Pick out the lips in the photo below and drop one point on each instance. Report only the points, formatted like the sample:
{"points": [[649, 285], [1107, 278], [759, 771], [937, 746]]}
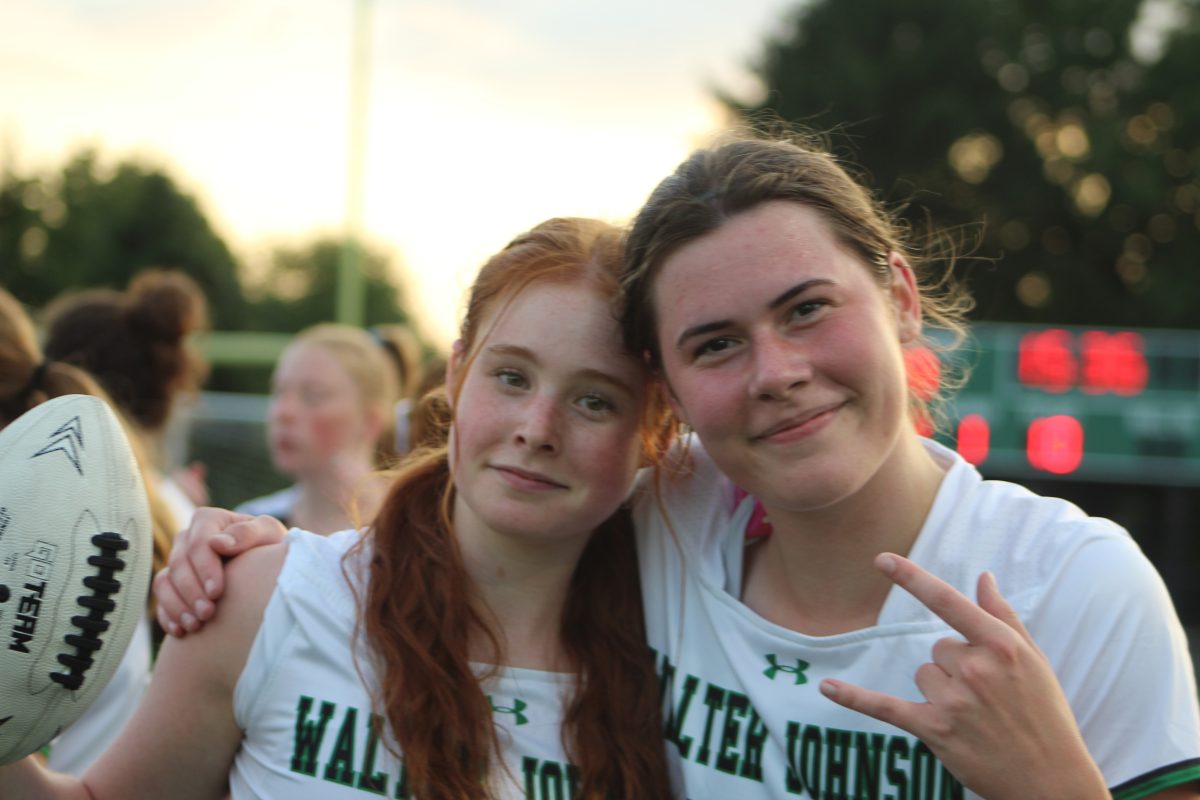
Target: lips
{"points": [[799, 425], [526, 479]]}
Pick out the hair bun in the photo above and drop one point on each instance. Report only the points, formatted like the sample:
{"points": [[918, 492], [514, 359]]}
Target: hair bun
{"points": [[166, 304]]}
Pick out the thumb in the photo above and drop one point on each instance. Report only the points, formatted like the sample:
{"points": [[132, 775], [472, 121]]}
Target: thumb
{"points": [[248, 534]]}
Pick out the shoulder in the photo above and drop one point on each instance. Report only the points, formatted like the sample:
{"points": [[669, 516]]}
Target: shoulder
{"points": [[1026, 539]]}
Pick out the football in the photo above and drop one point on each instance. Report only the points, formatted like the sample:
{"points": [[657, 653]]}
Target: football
{"points": [[75, 561]]}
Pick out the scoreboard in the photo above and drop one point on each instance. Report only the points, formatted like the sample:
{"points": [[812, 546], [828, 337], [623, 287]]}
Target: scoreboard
{"points": [[1092, 404]]}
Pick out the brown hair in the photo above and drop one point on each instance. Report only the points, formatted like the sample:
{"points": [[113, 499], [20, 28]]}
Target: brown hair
{"points": [[27, 381], [134, 342], [419, 610], [743, 171], [372, 375]]}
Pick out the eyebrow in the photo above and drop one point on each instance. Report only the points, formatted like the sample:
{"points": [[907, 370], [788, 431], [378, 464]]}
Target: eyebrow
{"points": [[584, 372], [716, 325]]}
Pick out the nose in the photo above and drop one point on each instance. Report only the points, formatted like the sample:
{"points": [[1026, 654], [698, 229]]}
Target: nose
{"points": [[779, 366], [537, 428]]}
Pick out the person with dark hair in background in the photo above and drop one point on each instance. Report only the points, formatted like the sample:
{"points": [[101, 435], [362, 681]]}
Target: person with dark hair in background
{"points": [[135, 343], [28, 379]]}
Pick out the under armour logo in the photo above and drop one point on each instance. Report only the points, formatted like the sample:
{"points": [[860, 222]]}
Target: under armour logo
{"points": [[515, 709], [777, 668], [68, 440]]}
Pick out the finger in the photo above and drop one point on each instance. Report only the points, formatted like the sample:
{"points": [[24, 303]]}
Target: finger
{"points": [[253, 532], [903, 714], [993, 602], [939, 597], [947, 654], [182, 580], [169, 605], [933, 682]]}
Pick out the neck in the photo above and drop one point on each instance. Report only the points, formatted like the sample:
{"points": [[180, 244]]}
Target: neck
{"points": [[816, 574], [522, 585], [325, 498]]}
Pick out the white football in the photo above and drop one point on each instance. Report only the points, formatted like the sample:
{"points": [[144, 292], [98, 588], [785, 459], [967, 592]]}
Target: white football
{"points": [[75, 561]]}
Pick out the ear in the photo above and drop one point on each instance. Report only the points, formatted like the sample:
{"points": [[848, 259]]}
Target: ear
{"points": [[453, 365], [906, 298]]}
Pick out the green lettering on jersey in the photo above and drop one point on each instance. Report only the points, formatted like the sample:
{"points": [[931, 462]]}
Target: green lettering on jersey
{"points": [[736, 706], [868, 764], [340, 767], [368, 779], [309, 735], [897, 749], [677, 715], [837, 763], [714, 699], [756, 740], [402, 784], [549, 780]]}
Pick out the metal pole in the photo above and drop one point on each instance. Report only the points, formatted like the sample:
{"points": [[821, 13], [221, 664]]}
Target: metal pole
{"points": [[350, 292]]}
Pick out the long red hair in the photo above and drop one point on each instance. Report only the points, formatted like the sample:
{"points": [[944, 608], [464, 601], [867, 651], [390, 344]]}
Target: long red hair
{"points": [[419, 610]]}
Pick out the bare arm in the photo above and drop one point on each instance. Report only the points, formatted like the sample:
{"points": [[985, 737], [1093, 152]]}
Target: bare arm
{"points": [[182, 740]]}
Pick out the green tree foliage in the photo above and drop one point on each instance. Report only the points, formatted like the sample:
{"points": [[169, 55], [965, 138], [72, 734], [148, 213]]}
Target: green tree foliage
{"points": [[302, 288], [1078, 154], [86, 227]]}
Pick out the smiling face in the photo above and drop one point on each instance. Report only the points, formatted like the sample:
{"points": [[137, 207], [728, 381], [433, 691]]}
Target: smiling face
{"points": [[544, 443], [316, 412], [784, 354]]}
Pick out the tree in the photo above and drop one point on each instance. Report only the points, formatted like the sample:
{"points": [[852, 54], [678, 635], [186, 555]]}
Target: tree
{"points": [[1036, 119], [85, 228], [302, 287]]}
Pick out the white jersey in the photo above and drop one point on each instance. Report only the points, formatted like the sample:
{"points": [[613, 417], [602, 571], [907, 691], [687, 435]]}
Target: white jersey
{"points": [[743, 713], [307, 714]]}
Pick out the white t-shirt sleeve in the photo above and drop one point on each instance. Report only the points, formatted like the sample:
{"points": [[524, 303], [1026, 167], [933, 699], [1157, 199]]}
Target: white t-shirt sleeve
{"points": [[1109, 629]]}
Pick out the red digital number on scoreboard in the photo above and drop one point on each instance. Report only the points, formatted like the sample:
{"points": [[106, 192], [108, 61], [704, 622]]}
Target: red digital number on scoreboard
{"points": [[1105, 362]]}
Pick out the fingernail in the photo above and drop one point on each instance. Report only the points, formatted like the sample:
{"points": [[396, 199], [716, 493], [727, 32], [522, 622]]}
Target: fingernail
{"points": [[224, 539], [886, 563], [991, 580], [189, 621], [203, 607], [210, 586], [829, 689], [173, 629]]}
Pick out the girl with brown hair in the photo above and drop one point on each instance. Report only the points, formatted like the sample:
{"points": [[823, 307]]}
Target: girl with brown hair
{"points": [[28, 379], [136, 344], [483, 639]]}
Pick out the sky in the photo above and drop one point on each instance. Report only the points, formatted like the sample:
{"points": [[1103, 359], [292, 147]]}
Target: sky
{"points": [[483, 118]]}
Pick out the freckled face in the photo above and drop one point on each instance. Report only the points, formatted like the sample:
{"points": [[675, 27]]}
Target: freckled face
{"points": [[316, 411], [784, 354], [545, 441]]}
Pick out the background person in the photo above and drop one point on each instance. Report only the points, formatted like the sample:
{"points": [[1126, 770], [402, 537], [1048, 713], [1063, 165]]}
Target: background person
{"points": [[329, 426], [28, 379], [136, 344]]}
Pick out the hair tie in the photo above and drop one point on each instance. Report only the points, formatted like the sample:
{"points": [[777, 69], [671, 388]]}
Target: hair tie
{"points": [[35, 380]]}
